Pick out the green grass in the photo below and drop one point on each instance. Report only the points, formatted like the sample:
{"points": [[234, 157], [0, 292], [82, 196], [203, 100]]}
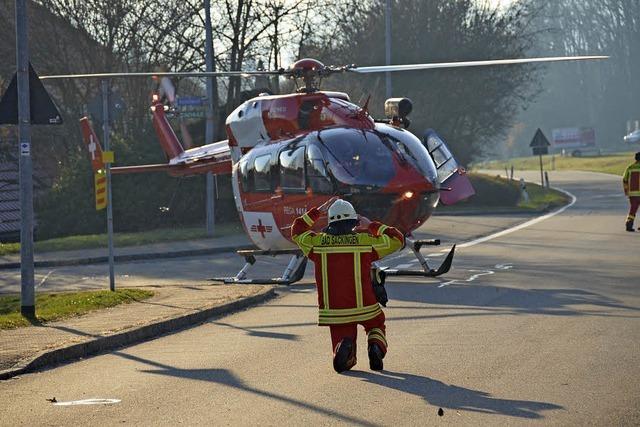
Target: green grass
{"points": [[122, 239], [494, 192], [611, 163], [57, 306]]}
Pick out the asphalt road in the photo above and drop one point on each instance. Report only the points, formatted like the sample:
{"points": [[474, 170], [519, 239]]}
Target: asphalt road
{"points": [[540, 325]]}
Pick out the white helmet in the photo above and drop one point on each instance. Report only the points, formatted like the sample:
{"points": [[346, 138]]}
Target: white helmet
{"points": [[341, 210]]}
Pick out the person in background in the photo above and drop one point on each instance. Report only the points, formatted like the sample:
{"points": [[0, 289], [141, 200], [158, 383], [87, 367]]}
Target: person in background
{"points": [[631, 185], [342, 255]]}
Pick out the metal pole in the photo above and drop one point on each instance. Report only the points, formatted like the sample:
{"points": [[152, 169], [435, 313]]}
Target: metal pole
{"points": [[541, 175], [210, 201], [27, 290], [105, 137], [387, 42]]}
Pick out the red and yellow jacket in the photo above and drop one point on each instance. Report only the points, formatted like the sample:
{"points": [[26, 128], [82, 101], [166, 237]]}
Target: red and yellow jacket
{"points": [[343, 267], [631, 180]]}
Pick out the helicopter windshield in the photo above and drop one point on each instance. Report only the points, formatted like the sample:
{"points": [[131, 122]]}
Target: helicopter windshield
{"points": [[412, 150], [357, 157]]}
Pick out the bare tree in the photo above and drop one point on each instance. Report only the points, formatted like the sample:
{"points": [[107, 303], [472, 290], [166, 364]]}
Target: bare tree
{"points": [[469, 107]]}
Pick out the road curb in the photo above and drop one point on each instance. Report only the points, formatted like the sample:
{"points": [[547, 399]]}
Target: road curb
{"points": [[98, 345], [126, 258]]}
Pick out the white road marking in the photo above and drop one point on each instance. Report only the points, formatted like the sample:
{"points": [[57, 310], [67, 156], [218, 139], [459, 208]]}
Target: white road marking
{"points": [[402, 266], [88, 402], [521, 226], [479, 273]]}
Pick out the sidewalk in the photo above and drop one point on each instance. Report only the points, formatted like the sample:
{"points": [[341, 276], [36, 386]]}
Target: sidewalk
{"points": [[174, 249], [170, 309]]}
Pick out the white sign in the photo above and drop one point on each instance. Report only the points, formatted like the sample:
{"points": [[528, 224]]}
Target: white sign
{"points": [[25, 149], [574, 137]]}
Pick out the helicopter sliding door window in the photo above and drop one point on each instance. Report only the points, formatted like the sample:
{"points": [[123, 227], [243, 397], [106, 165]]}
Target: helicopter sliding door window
{"points": [[246, 175], [292, 169], [262, 173], [442, 157], [316, 172]]}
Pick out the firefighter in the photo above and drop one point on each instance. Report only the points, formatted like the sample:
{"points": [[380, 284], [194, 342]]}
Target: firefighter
{"points": [[342, 255], [631, 185]]}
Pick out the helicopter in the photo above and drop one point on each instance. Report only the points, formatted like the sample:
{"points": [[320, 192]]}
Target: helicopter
{"points": [[288, 153]]}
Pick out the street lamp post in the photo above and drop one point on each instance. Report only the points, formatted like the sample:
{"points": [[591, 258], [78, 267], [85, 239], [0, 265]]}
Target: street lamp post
{"points": [[27, 291]]}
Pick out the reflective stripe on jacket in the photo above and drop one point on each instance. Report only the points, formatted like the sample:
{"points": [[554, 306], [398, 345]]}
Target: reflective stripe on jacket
{"points": [[631, 180], [343, 267]]}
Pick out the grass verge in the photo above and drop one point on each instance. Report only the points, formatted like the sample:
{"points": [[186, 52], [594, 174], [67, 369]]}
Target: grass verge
{"points": [[57, 306], [611, 163], [122, 239]]}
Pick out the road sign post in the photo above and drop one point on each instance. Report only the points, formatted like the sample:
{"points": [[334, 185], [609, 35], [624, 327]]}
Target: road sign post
{"points": [[540, 145]]}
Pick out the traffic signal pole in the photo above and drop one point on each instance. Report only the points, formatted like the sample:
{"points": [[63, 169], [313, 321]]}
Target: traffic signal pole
{"points": [[27, 290], [106, 134]]}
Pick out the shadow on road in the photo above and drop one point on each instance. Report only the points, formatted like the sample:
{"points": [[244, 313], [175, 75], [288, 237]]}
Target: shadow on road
{"points": [[455, 397], [554, 302], [227, 378], [260, 334]]}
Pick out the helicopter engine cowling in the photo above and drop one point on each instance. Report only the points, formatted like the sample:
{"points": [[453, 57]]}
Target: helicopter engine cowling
{"points": [[271, 118]]}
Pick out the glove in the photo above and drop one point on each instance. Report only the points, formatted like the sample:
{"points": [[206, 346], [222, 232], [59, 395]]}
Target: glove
{"points": [[377, 280]]}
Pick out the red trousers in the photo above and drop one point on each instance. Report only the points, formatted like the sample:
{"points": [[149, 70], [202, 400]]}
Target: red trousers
{"points": [[634, 202], [374, 328]]}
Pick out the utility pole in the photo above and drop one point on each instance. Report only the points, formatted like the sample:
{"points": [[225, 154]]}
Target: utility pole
{"points": [[387, 44], [27, 290], [211, 108]]}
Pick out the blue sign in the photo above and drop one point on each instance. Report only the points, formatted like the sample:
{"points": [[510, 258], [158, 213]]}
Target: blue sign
{"points": [[191, 101]]}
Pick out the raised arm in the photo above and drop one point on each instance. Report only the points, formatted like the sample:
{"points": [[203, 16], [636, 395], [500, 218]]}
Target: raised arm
{"points": [[387, 239], [301, 228]]}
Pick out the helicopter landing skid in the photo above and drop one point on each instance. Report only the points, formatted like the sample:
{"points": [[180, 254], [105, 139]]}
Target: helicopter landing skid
{"points": [[426, 271], [292, 273]]}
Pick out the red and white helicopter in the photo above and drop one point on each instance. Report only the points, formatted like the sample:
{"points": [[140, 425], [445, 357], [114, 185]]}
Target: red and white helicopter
{"points": [[288, 153]]}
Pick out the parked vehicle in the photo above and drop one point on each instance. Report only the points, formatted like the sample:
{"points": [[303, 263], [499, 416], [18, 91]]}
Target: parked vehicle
{"points": [[633, 137]]}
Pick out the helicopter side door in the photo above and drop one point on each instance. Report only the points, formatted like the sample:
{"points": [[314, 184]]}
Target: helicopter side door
{"points": [[454, 183], [303, 181], [259, 198]]}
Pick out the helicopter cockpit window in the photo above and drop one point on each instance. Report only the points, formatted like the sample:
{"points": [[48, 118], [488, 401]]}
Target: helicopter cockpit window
{"points": [[442, 157], [292, 169], [357, 157], [262, 173], [316, 171], [411, 149]]}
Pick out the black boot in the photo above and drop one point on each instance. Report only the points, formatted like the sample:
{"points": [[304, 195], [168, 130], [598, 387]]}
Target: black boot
{"points": [[629, 225], [375, 357], [345, 357]]}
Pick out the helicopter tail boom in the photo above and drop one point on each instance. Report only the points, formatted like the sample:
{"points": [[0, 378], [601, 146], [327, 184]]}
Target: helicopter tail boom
{"points": [[167, 137]]}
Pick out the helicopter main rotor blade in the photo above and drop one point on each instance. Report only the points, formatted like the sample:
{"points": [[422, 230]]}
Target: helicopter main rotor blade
{"points": [[168, 74], [411, 67]]}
